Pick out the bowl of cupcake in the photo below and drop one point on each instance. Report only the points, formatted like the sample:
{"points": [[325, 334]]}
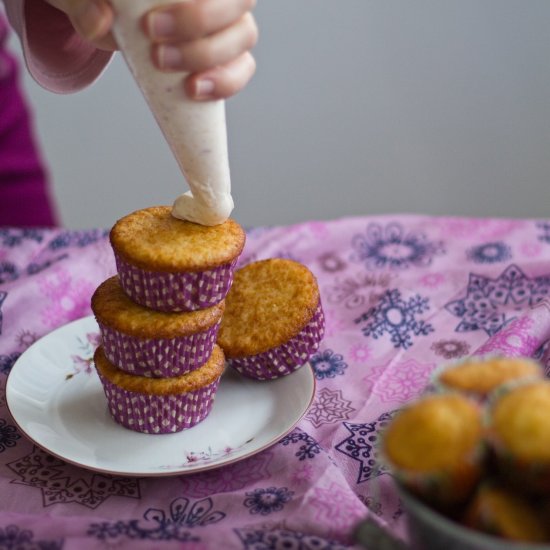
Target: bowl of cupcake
{"points": [[178, 313], [471, 457]]}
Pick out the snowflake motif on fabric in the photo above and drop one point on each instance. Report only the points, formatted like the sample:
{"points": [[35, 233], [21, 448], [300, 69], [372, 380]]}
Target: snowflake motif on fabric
{"points": [[62, 483], [303, 474], [174, 524], [13, 537], [362, 446], [277, 539], [490, 304], [329, 407], [13, 237], [8, 435], [7, 362], [392, 248], [363, 289], [309, 449], [531, 249], [396, 317], [432, 280], [2, 298], [8, 272], [337, 508], [401, 381], [331, 262], [327, 364], [267, 501], [69, 298], [450, 349], [77, 238], [544, 236], [26, 338], [514, 340], [489, 253], [230, 478], [360, 353]]}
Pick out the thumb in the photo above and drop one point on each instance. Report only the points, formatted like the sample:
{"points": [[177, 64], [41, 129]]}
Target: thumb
{"points": [[92, 19]]}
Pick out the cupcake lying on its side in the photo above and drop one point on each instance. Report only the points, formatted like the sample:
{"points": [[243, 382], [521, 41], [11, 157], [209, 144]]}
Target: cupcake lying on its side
{"points": [[169, 264], [146, 342], [273, 320], [160, 405]]}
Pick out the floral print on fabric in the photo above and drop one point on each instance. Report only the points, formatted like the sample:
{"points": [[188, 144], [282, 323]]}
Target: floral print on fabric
{"points": [[60, 483], [8, 435], [278, 539], [401, 298], [392, 247], [267, 501], [490, 303], [361, 446], [327, 364], [176, 523], [396, 317], [13, 537]]}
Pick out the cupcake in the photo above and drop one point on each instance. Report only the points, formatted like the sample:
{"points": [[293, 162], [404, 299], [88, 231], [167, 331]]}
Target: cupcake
{"points": [[160, 405], [478, 376], [435, 448], [518, 426], [169, 264], [147, 342], [273, 320], [505, 514]]}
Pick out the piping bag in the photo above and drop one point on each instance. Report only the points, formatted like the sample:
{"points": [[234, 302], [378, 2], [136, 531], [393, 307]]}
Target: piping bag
{"points": [[195, 131]]}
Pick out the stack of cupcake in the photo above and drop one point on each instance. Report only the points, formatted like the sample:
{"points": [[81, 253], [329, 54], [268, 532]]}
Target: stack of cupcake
{"points": [[159, 318]]}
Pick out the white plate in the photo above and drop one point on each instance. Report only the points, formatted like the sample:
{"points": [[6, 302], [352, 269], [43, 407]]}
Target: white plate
{"points": [[57, 400]]}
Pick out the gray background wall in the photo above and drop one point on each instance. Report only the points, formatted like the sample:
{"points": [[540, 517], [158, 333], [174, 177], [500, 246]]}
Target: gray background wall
{"points": [[358, 107]]}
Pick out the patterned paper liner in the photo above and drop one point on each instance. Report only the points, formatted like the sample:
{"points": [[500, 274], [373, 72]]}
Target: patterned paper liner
{"points": [[180, 291], [286, 358], [158, 357], [159, 414]]}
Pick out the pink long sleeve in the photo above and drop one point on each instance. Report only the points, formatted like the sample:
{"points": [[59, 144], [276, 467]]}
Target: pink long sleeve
{"points": [[56, 56]]}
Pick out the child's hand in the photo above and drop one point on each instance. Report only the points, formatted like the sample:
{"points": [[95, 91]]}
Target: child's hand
{"points": [[92, 19], [210, 39]]}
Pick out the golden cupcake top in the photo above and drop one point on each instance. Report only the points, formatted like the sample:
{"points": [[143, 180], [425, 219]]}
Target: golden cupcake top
{"points": [[482, 375], [194, 380], [113, 308], [434, 434], [503, 513], [155, 240], [519, 421], [270, 302]]}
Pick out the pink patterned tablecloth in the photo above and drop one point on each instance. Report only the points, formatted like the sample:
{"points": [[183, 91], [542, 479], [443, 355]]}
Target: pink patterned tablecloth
{"points": [[402, 294]]}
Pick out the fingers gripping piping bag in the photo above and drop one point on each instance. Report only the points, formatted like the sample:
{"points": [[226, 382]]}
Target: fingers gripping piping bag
{"points": [[196, 131]]}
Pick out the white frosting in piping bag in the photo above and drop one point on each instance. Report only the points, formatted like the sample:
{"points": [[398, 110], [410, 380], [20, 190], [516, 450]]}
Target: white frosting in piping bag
{"points": [[196, 131]]}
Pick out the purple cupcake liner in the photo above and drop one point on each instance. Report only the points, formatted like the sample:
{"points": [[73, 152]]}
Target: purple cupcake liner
{"points": [[158, 357], [181, 291], [286, 358], [159, 414]]}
